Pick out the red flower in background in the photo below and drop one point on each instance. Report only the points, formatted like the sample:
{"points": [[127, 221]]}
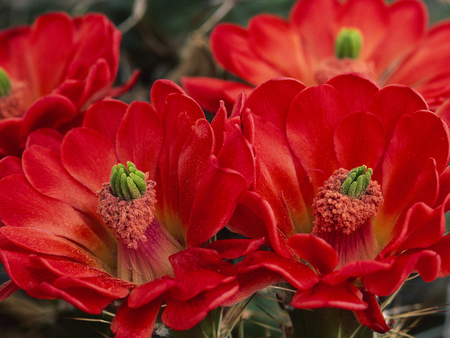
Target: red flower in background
{"points": [[396, 48], [56, 68], [68, 234], [361, 239]]}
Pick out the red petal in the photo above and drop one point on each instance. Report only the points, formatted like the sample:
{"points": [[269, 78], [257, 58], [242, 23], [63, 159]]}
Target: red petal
{"points": [[427, 60], [386, 282], [442, 248], [422, 227], [105, 117], [356, 90], [88, 157], [23, 206], [7, 289], [407, 25], [271, 100], [235, 248], [44, 170], [253, 281], [284, 54], [148, 292], [31, 239], [343, 296], [139, 323], [444, 186], [206, 222], [9, 166], [254, 218], [359, 139], [444, 112], [392, 102], [98, 77], [314, 250], [192, 163], [358, 269], [10, 143], [230, 45], [12, 40], [97, 38], [404, 160], [50, 111], [208, 92], [315, 112], [183, 315], [46, 138], [50, 48], [140, 137], [37, 276], [297, 274], [160, 90], [85, 300], [285, 188], [372, 317], [236, 154], [197, 270], [314, 21]]}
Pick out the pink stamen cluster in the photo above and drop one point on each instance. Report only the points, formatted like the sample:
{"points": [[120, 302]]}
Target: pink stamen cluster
{"points": [[338, 212], [128, 219]]}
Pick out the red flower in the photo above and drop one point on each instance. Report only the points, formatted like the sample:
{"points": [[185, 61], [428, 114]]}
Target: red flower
{"points": [[60, 64], [70, 234], [315, 44], [363, 237]]}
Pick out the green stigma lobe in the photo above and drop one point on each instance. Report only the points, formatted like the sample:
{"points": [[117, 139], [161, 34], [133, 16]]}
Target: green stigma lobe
{"points": [[127, 183], [348, 43], [5, 83], [357, 182]]}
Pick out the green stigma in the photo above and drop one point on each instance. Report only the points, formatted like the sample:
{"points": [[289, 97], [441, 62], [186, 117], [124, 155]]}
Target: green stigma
{"points": [[357, 182], [348, 43], [127, 184], [5, 84]]}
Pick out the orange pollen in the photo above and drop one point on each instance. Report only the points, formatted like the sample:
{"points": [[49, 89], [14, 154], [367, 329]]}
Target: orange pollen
{"points": [[14, 105], [330, 67], [337, 212], [128, 219]]}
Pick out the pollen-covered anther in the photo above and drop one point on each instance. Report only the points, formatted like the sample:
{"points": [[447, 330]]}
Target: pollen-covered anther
{"points": [[337, 211], [128, 216]]}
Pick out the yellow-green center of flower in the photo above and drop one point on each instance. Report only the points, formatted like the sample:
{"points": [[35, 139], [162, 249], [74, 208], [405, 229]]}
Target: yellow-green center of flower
{"points": [[5, 83], [357, 182], [348, 43], [127, 183]]}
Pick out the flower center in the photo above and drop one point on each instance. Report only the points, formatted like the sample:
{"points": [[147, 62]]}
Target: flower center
{"points": [[127, 205], [13, 96], [346, 201], [346, 60]]}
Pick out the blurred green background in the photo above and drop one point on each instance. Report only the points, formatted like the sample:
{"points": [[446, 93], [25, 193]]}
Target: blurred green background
{"points": [[168, 39]]}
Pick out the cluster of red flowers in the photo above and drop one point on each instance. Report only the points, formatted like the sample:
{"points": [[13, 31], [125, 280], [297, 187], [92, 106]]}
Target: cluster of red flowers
{"points": [[334, 168]]}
